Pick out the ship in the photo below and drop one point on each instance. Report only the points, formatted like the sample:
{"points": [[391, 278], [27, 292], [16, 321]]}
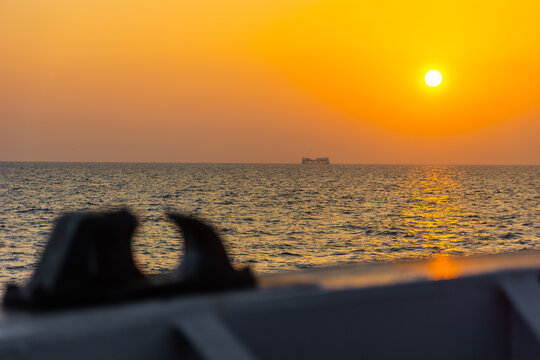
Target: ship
{"points": [[320, 160]]}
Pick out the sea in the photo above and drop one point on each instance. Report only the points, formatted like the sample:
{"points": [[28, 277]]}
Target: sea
{"points": [[277, 218]]}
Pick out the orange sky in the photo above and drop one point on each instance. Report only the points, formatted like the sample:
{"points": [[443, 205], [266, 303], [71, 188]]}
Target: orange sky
{"points": [[269, 81]]}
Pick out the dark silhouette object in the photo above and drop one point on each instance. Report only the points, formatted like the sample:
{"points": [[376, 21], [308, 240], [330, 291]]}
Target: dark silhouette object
{"points": [[205, 260], [321, 160], [88, 260]]}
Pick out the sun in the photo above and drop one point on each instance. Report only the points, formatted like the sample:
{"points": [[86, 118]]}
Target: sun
{"points": [[433, 78]]}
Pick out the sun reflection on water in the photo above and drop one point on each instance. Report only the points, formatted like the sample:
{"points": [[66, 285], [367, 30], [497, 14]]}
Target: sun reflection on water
{"points": [[435, 217], [280, 217]]}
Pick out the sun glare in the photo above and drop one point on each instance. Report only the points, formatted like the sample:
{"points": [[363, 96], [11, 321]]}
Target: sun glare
{"points": [[433, 78]]}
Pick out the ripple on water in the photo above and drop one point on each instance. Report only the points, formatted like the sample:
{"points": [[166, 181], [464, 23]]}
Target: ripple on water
{"points": [[280, 217]]}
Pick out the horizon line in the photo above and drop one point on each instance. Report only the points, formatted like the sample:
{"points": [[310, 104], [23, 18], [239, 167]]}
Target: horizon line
{"points": [[259, 163]]}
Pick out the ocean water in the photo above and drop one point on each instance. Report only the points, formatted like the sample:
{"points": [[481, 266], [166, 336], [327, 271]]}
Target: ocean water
{"points": [[279, 217]]}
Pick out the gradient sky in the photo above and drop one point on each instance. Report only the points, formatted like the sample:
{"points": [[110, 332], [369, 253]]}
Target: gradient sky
{"points": [[270, 81]]}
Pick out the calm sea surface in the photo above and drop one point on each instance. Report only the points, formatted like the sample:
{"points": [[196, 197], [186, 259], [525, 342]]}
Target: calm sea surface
{"points": [[280, 217]]}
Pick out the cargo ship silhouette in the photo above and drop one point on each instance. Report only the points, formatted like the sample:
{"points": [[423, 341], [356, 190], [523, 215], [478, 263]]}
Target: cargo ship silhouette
{"points": [[321, 160]]}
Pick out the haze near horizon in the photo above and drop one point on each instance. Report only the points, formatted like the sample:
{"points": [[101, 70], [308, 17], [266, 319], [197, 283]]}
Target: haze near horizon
{"points": [[269, 82]]}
